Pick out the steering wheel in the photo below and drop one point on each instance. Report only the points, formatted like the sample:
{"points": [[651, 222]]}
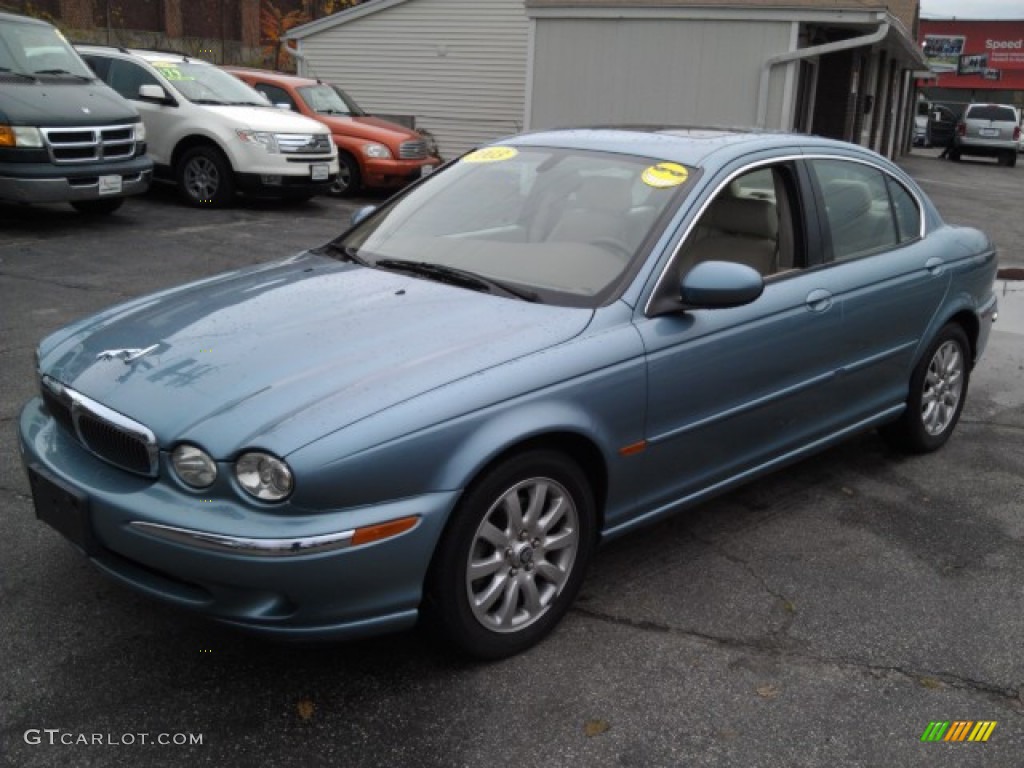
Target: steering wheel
{"points": [[613, 246]]}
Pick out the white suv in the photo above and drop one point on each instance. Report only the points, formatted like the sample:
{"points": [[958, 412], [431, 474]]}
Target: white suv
{"points": [[213, 134]]}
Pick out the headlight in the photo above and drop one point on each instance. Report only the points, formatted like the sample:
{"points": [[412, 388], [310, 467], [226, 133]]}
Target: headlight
{"points": [[377, 150], [259, 139], [20, 136], [264, 476], [140, 131], [194, 466]]}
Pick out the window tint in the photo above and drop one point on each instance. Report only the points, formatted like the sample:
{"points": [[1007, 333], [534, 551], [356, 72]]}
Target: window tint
{"points": [[126, 78], [98, 65], [858, 214], [908, 217], [991, 112], [275, 94]]}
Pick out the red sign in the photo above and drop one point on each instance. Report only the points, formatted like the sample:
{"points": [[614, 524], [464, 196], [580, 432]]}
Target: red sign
{"points": [[975, 54]]}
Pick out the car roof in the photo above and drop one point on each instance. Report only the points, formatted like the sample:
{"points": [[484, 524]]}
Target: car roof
{"points": [[270, 76], [14, 18], [691, 146], [144, 54]]}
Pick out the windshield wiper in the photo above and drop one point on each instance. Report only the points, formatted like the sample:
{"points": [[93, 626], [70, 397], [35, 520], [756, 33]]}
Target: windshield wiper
{"points": [[63, 72], [8, 71], [244, 104], [455, 276], [331, 112], [214, 102]]}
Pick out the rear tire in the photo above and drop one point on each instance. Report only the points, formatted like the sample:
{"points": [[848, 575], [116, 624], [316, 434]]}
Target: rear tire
{"points": [[98, 207], [513, 556], [938, 390], [1011, 158]]}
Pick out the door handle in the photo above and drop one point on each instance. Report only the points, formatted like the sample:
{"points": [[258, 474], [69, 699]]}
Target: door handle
{"points": [[818, 300], [935, 265]]}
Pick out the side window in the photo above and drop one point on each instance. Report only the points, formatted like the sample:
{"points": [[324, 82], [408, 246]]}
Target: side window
{"points": [[751, 222], [276, 95], [908, 217], [859, 217], [99, 65], [126, 78]]}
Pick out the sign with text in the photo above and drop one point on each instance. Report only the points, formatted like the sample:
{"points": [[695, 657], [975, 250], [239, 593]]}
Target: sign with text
{"points": [[975, 54]]}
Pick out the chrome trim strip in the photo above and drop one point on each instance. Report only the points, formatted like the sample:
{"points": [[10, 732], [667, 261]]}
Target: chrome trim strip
{"points": [[215, 542]]}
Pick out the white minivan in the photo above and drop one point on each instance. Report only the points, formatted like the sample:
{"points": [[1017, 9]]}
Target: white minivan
{"points": [[212, 133]]}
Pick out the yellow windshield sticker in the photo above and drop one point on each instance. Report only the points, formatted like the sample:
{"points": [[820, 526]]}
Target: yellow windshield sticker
{"points": [[664, 175], [490, 155], [172, 73]]}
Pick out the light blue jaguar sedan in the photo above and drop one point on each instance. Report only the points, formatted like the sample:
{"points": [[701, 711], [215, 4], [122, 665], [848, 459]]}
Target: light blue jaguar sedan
{"points": [[543, 345]]}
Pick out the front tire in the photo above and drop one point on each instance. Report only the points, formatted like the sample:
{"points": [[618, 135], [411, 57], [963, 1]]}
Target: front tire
{"points": [[938, 390], [349, 182], [513, 557], [205, 178]]}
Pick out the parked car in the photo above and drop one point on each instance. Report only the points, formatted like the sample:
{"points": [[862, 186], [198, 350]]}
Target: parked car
{"points": [[546, 344], [988, 130], [213, 135], [941, 125], [921, 137], [64, 136], [372, 153]]}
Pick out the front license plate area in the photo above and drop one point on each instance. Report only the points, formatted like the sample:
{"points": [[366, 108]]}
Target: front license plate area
{"points": [[62, 508], [319, 171], [110, 185]]}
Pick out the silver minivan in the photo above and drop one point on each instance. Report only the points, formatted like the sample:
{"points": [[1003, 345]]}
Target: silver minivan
{"points": [[988, 130]]}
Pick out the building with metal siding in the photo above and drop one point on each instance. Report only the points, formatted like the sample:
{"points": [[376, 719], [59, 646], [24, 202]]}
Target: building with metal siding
{"points": [[838, 69], [457, 66]]}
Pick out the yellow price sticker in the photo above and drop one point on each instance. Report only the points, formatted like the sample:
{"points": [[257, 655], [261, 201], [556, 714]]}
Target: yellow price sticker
{"points": [[490, 155], [665, 175]]}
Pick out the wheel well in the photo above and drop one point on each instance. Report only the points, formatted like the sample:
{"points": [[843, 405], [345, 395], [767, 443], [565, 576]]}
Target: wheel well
{"points": [[578, 448], [191, 142], [969, 322]]}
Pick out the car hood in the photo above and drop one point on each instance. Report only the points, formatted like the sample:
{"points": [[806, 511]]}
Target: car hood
{"points": [[371, 128], [280, 355], [61, 104], [266, 119]]}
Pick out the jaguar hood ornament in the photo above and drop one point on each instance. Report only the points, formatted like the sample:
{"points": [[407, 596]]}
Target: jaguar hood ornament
{"points": [[127, 355]]}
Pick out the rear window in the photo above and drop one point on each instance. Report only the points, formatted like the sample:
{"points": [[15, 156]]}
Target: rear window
{"points": [[992, 112]]}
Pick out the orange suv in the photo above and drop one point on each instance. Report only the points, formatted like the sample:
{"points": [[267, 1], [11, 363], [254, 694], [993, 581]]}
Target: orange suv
{"points": [[372, 153]]}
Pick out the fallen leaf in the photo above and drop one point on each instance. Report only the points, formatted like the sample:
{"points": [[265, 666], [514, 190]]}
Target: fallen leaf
{"points": [[767, 691], [848, 491], [930, 682], [305, 708], [595, 727]]}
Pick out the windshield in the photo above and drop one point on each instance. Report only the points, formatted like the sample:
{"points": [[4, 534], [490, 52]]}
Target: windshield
{"points": [[565, 225], [38, 50], [204, 83], [329, 100]]}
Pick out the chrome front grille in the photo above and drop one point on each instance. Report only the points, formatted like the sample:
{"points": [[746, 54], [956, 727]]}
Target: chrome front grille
{"points": [[413, 150], [304, 143], [89, 145], [109, 435]]}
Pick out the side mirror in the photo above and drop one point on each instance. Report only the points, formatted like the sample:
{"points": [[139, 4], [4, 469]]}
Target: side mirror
{"points": [[719, 285], [154, 93], [361, 213]]}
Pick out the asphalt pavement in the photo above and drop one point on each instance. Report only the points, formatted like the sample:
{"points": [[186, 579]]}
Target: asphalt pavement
{"points": [[823, 616]]}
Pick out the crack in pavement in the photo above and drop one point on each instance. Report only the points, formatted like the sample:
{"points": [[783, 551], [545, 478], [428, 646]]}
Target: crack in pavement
{"points": [[1013, 697], [15, 493], [62, 284]]}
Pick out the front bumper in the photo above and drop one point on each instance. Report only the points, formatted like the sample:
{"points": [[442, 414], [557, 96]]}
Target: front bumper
{"points": [[394, 174], [48, 183], [281, 571], [277, 185]]}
